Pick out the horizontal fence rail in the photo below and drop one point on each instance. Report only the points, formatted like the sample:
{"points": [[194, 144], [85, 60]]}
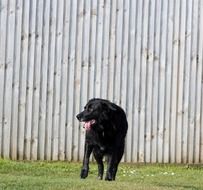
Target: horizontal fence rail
{"points": [[144, 55]]}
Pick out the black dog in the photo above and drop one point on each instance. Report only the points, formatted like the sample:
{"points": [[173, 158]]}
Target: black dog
{"points": [[106, 127]]}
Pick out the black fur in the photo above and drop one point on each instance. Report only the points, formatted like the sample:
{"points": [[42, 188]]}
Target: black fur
{"points": [[106, 128]]}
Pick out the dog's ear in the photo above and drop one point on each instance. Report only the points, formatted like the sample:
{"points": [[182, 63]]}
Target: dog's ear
{"points": [[104, 115], [109, 106]]}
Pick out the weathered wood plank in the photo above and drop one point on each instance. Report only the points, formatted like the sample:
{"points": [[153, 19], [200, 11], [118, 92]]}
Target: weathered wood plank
{"points": [[193, 71], [175, 81], [23, 79], [112, 50], [8, 86], [149, 96], [57, 82], [44, 82], [200, 83], [71, 84], [156, 82], [37, 81], [16, 80], [132, 130], [3, 31], [50, 88], [187, 81], [124, 61], [180, 92], [169, 60], [136, 145], [64, 83]]}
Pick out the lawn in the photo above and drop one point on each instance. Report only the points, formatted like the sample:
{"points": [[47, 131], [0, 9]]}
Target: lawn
{"points": [[20, 175]]}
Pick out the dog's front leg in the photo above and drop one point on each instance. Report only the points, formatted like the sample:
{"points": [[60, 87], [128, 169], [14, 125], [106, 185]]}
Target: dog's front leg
{"points": [[110, 168], [85, 168]]}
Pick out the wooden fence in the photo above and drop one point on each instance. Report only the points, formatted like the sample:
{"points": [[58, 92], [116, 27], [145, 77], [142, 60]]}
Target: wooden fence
{"points": [[145, 55]]}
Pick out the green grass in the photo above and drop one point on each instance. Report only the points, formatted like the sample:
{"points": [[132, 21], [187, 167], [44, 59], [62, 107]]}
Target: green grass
{"points": [[20, 175]]}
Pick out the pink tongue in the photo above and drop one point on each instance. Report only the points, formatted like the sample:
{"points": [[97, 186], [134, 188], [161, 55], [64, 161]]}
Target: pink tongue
{"points": [[88, 124]]}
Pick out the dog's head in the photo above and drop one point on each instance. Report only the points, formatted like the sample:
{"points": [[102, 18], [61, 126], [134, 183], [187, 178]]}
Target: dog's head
{"points": [[96, 112]]}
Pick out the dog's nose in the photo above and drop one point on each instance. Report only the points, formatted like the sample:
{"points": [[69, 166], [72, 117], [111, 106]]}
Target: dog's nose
{"points": [[78, 117]]}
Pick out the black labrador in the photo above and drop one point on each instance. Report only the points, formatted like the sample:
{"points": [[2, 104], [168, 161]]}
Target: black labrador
{"points": [[106, 127]]}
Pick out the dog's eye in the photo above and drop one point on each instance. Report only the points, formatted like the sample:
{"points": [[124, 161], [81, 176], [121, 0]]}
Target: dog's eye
{"points": [[90, 109]]}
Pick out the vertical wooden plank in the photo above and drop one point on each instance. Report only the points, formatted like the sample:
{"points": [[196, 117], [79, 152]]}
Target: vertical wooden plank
{"points": [[199, 62], [118, 60], [16, 77], [168, 81], [57, 81], [78, 79], [193, 71], [156, 82], [37, 81], [44, 81], [200, 88], [143, 79], [30, 80], [9, 65], [181, 82], [150, 58], [71, 85], [175, 81], [187, 81], [99, 44], [105, 56], [162, 72], [94, 14], [50, 101], [136, 154], [125, 53], [125, 58], [93, 40], [112, 49], [130, 143], [3, 31], [85, 69], [81, 66], [23, 79], [201, 140], [64, 82]]}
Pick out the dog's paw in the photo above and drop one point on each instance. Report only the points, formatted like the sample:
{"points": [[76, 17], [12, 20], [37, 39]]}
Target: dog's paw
{"points": [[100, 177], [109, 177], [84, 173]]}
